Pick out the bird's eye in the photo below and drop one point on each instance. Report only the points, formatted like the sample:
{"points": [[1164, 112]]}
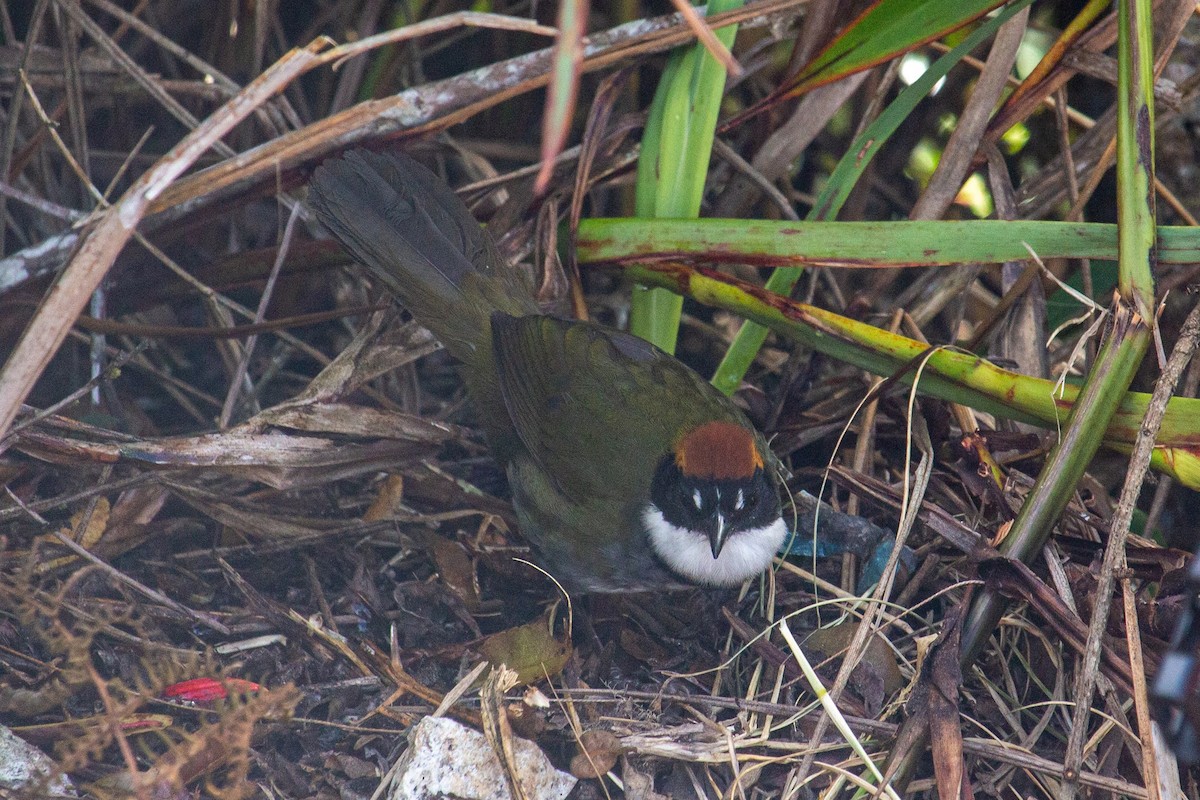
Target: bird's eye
{"points": [[750, 500], [740, 502], [697, 499]]}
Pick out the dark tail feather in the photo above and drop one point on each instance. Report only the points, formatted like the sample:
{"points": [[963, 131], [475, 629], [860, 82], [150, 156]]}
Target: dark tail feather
{"points": [[414, 234]]}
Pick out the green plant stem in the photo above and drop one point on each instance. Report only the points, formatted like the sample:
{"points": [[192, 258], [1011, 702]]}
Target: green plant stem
{"points": [[863, 245]]}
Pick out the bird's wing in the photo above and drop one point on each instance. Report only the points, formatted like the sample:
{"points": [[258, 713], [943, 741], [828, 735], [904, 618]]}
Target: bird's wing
{"points": [[580, 395]]}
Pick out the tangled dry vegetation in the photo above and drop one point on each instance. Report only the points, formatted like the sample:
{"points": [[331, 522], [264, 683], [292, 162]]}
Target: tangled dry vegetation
{"points": [[244, 465]]}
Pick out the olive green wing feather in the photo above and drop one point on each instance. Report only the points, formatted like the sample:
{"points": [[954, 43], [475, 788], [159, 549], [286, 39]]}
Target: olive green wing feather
{"points": [[579, 395]]}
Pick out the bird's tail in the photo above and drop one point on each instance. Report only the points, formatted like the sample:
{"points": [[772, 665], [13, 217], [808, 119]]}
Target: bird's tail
{"points": [[404, 224]]}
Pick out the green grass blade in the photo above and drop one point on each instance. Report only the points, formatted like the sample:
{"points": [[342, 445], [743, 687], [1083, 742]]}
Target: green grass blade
{"points": [[831, 708], [673, 166]]}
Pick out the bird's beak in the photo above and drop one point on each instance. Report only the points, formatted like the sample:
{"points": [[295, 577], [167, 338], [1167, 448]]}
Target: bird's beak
{"points": [[716, 537]]}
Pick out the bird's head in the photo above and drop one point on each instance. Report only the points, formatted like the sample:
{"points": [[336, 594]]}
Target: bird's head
{"points": [[714, 515]]}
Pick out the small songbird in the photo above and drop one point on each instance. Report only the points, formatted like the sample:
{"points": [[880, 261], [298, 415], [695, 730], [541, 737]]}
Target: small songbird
{"points": [[628, 471]]}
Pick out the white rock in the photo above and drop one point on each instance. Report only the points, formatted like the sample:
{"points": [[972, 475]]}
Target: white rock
{"points": [[23, 766], [448, 760]]}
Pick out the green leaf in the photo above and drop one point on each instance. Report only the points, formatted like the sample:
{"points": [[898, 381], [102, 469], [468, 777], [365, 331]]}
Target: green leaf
{"points": [[885, 30]]}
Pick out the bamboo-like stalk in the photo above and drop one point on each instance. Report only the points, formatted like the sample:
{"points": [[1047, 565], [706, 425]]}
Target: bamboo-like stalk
{"points": [[1135, 242], [1125, 344], [863, 245], [948, 374]]}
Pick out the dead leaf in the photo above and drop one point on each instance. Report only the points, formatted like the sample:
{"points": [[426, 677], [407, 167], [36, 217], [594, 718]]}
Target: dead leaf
{"points": [[598, 752], [387, 501], [531, 650], [455, 567], [879, 658]]}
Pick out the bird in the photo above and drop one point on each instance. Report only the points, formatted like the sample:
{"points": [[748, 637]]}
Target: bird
{"points": [[628, 471]]}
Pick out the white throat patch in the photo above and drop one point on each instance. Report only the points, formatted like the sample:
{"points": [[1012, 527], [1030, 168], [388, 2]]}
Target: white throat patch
{"points": [[688, 553]]}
